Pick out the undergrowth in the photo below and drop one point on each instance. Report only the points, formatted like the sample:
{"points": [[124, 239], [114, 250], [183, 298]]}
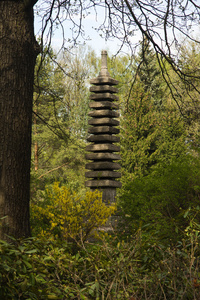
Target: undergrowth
{"points": [[140, 268]]}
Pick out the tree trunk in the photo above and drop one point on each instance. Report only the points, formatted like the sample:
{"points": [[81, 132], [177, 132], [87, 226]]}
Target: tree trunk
{"points": [[18, 51]]}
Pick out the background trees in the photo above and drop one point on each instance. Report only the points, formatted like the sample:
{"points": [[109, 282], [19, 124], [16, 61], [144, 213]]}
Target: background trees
{"points": [[152, 128], [158, 170], [60, 121], [19, 49], [157, 158]]}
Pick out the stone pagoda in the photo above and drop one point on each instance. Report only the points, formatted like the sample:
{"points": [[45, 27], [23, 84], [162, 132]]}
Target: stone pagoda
{"points": [[103, 152]]}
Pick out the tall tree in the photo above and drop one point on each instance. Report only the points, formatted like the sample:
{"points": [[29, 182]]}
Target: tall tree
{"points": [[152, 130], [18, 50], [161, 23], [148, 136], [147, 69], [189, 61]]}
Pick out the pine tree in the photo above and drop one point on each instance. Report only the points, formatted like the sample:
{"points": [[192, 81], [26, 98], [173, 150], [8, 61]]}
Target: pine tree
{"points": [[138, 132], [150, 74], [189, 60], [152, 130]]}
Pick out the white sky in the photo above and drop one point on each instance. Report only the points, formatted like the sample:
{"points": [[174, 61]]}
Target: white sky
{"points": [[97, 43], [94, 40]]}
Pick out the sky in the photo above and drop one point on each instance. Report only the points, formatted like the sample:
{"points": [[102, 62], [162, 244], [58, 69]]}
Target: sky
{"points": [[92, 21], [94, 39]]}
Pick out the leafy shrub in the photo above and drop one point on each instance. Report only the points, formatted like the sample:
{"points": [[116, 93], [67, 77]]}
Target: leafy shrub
{"points": [[22, 273], [140, 269], [64, 214], [160, 200]]}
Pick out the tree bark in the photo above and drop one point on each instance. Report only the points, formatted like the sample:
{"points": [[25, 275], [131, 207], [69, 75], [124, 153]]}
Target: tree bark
{"points": [[18, 51]]}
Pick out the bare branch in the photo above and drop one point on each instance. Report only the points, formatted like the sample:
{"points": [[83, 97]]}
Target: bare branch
{"points": [[52, 170]]}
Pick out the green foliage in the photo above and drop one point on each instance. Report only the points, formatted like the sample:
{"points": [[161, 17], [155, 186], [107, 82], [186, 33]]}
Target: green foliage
{"points": [[65, 214], [143, 268], [160, 199], [149, 137], [189, 60], [150, 75], [152, 130], [25, 271], [60, 120]]}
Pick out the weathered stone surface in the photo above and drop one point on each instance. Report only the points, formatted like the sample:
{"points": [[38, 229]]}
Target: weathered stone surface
{"points": [[103, 88], [103, 183], [103, 147], [103, 104], [103, 121], [102, 174], [101, 165], [103, 138], [104, 80], [102, 156], [109, 196], [103, 113], [103, 129], [102, 96]]}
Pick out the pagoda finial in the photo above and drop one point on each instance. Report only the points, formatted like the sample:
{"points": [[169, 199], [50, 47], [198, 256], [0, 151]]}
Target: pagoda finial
{"points": [[104, 69]]}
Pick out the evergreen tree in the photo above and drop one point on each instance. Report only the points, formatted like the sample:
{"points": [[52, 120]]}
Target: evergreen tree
{"points": [[149, 73], [189, 60], [152, 129], [153, 137], [148, 136]]}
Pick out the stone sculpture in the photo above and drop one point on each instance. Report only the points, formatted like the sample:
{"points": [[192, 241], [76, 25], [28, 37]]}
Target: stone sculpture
{"points": [[103, 152]]}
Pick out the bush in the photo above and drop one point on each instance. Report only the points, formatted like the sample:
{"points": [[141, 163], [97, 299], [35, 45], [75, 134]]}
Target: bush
{"points": [[161, 199], [141, 269], [65, 215]]}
